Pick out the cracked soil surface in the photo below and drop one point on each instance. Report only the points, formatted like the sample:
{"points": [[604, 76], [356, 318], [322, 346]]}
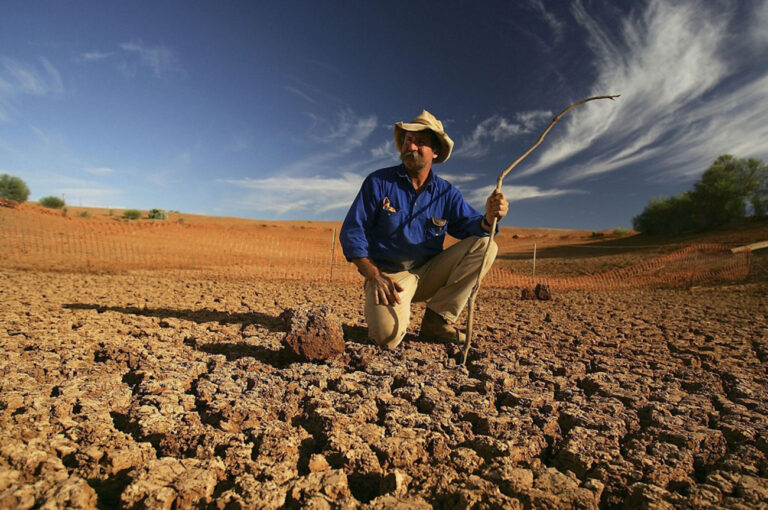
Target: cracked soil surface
{"points": [[149, 391]]}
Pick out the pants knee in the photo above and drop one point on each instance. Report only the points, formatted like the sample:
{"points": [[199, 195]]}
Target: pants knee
{"points": [[388, 341]]}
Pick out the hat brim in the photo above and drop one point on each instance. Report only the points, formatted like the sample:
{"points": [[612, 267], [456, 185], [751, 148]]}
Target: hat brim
{"points": [[446, 144]]}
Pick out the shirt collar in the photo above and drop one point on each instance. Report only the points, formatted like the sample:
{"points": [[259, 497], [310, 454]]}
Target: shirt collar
{"points": [[431, 178]]}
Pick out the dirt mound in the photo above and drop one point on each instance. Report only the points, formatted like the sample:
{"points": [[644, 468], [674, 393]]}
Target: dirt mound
{"points": [[314, 333]]}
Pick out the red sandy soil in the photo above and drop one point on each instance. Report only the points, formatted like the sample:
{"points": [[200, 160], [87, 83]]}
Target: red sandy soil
{"points": [[144, 389]]}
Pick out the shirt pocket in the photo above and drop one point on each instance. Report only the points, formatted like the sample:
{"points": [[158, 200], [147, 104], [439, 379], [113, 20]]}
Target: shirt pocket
{"points": [[390, 222], [436, 226]]}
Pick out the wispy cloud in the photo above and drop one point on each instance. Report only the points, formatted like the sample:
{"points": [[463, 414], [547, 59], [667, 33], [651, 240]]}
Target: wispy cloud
{"points": [[331, 184], [334, 139], [556, 25], [19, 78], [759, 28], [295, 91], [477, 197], [99, 170], [685, 98], [457, 178], [131, 55], [161, 59], [92, 56], [290, 194], [496, 129], [385, 151]]}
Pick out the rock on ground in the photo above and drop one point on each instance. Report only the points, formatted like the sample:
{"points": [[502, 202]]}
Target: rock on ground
{"points": [[314, 333]]}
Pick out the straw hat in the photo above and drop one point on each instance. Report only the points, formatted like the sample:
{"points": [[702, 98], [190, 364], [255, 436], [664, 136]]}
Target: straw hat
{"points": [[425, 121]]}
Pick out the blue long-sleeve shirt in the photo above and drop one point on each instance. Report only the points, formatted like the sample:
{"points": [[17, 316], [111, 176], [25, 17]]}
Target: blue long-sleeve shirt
{"points": [[399, 229]]}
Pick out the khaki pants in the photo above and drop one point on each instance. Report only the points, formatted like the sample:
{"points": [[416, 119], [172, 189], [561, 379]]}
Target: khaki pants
{"points": [[445, 281]]}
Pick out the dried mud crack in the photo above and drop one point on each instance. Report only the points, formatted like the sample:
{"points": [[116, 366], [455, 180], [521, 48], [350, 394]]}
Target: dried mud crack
{"points": [[147, 391]]}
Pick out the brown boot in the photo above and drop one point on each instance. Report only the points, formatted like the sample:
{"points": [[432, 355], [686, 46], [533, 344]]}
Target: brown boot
{"points": [[434, 327]]}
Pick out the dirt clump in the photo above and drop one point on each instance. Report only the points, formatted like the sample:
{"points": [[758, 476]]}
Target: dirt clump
{"points": [[314, 332], [542, 292]]}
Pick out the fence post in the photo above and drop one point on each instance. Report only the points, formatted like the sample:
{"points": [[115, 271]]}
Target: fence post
{"points": [[333, 253], [534, 259]]}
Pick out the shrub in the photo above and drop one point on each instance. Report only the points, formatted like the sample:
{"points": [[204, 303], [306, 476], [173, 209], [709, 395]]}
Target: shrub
{"points": [[13, 188], [52, 202], [85, 214], [672, 215], [131, 214], [597, 234], [157, 214], [620, 231]]}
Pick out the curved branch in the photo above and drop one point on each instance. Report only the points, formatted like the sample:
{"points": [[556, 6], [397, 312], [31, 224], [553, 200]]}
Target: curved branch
{"points": [[473, 294]]}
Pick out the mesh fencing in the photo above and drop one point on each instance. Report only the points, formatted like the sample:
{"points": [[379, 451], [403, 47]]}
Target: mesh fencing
{"points": [[297, 253]]}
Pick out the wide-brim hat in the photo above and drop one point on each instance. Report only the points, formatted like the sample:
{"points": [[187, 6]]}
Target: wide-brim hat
{"points": [[425, 121]]}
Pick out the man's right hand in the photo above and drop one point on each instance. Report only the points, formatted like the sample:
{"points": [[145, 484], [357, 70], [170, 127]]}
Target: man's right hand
{"points": [[385, 288]]}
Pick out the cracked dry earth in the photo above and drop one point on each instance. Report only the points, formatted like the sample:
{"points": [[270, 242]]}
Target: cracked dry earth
{"points": [[147, 391]]}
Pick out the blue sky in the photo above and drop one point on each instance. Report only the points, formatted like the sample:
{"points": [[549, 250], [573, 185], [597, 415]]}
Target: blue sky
{"points": [[278, 110]]}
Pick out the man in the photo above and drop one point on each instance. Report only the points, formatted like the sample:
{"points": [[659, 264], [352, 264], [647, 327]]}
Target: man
{"points": [[394, 234]]}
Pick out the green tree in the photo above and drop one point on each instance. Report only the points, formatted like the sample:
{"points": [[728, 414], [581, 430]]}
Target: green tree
{"points": [[13, 188], [720, 196], [726, 192]]}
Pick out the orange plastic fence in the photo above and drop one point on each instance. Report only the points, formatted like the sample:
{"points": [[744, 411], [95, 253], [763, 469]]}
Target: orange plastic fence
{"points": [[115, 246]]}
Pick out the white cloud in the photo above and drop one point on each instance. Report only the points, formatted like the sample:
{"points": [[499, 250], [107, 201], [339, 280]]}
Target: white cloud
{"points": [[288, 194], [684, 100], [159, 58], [91, 56], [99, 170], [556, 25], [456, 179], [477, 197], [759, 28], [297, 92], [496, 129], [346, 132], [19, 78], [336, 139]]}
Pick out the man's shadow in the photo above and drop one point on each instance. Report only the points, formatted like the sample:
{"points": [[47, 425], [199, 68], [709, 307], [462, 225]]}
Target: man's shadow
{"points": [[232, 350], [270, 322]]}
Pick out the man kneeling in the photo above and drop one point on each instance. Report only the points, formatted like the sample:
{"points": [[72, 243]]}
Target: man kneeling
{"points": [[394, 233]]}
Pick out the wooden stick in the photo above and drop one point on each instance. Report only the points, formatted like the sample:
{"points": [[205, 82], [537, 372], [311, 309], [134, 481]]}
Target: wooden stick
{"points": [[473, 295]]}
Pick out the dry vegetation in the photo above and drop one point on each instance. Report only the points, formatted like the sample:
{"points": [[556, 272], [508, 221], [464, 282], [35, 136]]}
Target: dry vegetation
{"points": [[139, 386]]}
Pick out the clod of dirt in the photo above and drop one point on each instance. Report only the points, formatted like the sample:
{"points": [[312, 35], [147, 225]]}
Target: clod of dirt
{"points": [[528, 294], [314, 333], [542, 292]]}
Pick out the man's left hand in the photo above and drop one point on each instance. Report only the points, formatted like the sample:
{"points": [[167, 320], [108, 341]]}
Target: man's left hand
{"points": [[496, 207]]}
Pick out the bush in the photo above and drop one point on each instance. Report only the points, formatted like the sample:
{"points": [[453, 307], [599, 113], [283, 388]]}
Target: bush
{"points": [[13, 188], [671, 215], [132, 214], [157, 214], [85, 214], [619, 231], [52, 202]]}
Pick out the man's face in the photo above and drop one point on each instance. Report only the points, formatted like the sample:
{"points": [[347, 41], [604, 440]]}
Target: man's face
{"points": [[417, 152]]}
